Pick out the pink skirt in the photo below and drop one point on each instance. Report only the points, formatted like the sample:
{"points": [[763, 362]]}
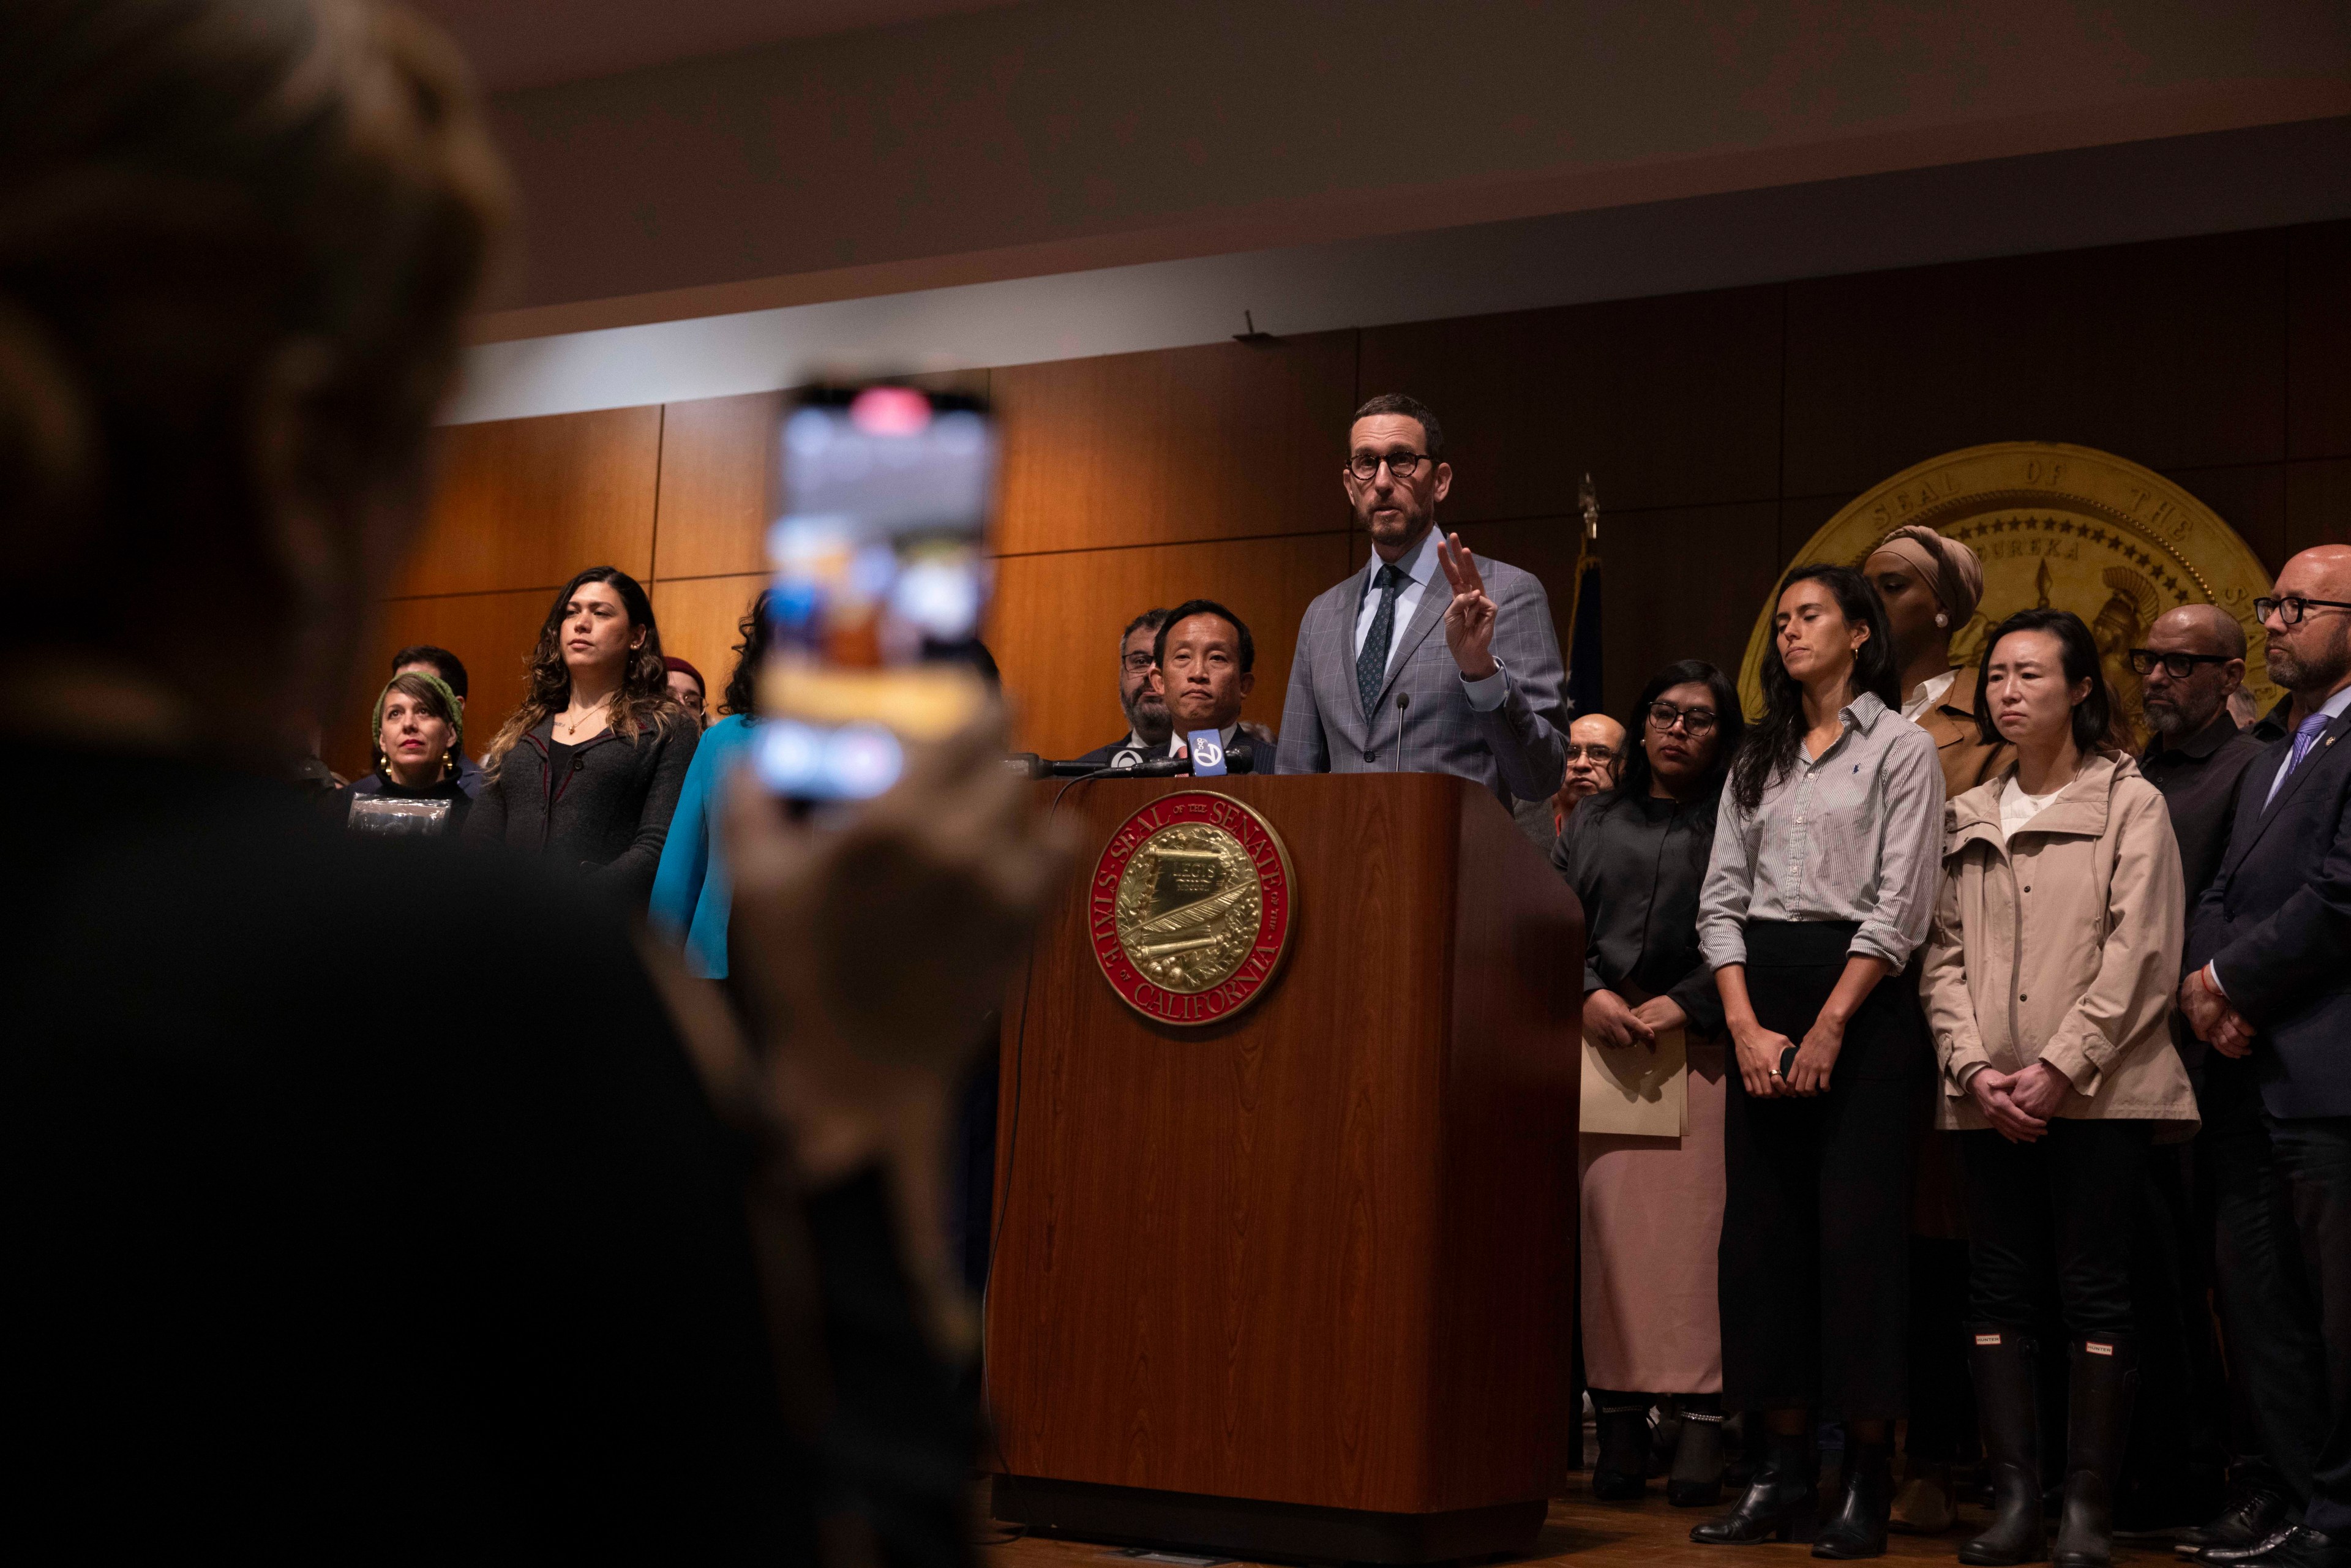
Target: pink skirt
{"points": [[1652, 1221]]}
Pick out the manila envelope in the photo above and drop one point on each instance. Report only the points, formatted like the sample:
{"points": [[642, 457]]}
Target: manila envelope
{"points": [[1636, 1090]]}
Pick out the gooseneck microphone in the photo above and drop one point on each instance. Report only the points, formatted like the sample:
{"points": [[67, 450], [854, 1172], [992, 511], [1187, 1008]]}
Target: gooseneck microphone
{"points": [[1403, 701]]}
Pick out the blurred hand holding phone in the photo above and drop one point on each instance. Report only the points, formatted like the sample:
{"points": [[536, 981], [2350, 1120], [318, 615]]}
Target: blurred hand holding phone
{"points": [[879, 561]]}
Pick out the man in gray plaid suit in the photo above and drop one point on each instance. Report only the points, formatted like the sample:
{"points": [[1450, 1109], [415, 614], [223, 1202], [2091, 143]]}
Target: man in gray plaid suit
{"points": [[1373, 688]]}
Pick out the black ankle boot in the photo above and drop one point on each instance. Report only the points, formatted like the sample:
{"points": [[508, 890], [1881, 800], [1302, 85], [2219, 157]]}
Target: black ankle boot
{"points": [[1865, 1497], [1622, 1470], [1782, 1503], [2098, 1425], [1697, 1479], [2004, 1365]]}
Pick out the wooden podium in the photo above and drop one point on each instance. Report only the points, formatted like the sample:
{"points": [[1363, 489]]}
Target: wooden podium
{"points": [[1300, 1282]]}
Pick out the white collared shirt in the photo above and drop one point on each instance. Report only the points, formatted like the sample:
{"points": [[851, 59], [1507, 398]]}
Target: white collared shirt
{"points": [[1930, 692], [1419, 567]]}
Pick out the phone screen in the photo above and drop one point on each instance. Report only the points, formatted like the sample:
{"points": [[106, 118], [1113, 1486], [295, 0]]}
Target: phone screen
{"points": [[880, 577]]}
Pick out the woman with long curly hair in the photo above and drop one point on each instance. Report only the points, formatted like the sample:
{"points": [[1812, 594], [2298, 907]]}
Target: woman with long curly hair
{"points": [[1821, 886], [588, 769]]}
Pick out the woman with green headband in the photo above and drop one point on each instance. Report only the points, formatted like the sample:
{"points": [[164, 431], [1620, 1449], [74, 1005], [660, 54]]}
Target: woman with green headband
{"points": [[419, 735]]}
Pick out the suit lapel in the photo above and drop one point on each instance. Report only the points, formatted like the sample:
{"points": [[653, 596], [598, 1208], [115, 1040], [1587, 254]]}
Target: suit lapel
{"points": [[1426, 616], [1339, 640], [2294, 780]]}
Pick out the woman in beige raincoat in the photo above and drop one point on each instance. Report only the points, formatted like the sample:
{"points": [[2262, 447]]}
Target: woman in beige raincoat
{"points": [[2048, 981]]}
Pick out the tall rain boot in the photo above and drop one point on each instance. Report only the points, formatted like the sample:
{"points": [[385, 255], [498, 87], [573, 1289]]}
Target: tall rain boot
{"points": [[2004, 1363], [2097, 1430]]}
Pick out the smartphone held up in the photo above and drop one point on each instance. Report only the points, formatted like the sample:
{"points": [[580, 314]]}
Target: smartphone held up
{"points": [[880, 575]]}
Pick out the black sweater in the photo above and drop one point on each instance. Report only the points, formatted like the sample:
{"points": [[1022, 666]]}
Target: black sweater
{"points": [[606, 815]]}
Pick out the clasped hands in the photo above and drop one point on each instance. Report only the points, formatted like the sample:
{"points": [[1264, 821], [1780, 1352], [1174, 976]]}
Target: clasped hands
{"points": [[1760, 1051], [2019, 1105], [1469, 619], [1609, 1020], [2216, 1024]]}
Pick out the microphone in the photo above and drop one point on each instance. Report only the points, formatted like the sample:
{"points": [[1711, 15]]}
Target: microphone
{"points": [[1403, 701]]}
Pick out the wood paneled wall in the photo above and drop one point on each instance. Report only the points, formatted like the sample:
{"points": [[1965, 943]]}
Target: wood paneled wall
{"points": [[1720, 429]]}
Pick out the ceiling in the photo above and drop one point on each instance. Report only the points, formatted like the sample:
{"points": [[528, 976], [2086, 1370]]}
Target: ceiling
{"points": [[518, 44]]}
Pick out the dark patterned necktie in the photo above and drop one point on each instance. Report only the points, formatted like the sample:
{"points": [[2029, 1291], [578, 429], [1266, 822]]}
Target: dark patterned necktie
{"points": [[1372, 663]]}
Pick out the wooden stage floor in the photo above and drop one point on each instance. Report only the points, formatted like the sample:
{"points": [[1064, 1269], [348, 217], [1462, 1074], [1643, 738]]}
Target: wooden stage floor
{"points": [[1645, 1534]]}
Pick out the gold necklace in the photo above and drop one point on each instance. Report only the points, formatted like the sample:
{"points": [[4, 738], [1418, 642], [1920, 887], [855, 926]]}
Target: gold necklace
{"points": [[573, 724]]}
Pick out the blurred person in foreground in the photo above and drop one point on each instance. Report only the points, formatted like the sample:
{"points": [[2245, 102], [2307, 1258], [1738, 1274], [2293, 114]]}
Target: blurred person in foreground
{"points": [[2267, 953], [586, 772], [424, 658], [1636, 854], [685, 685], [290, 1261], [419, 734], [2047, 983], [1148, 723]]}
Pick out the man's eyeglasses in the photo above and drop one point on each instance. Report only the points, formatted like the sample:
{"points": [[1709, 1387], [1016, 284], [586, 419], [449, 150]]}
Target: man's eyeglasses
{"points": [[1695, 722], [2178, 666], [1365, 465], [1603, 755], [2290, 610], [1138, 663]]}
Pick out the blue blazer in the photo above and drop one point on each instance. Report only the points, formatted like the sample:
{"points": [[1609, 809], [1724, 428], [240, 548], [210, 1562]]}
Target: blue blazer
{"points": [[2275, 924], [691, 891]]}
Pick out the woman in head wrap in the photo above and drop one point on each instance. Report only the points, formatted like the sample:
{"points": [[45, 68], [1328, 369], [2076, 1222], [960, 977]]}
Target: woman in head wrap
{"points": [[1931, 587], [419, 732]]}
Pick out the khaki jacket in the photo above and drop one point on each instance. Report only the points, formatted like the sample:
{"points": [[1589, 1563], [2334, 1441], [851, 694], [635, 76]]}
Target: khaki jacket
{"points": [[1959, 746], [2063, 948]]}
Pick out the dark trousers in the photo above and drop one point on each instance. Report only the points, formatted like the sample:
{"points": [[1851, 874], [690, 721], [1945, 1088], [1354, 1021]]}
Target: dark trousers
{"points": [[2049, 1226], [1942, 1403], [2314, 1166], [2172, 1472], [1816, 1215], [2269, 1329]]}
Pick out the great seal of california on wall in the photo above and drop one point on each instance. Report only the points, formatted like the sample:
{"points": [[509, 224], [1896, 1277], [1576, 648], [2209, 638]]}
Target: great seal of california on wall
{"points": [[2068, 527], [1190, 907]]}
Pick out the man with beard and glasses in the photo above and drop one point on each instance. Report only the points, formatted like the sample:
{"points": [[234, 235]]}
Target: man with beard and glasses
{"points": [[1371, 689], [2194, 659], [2267, 956], [1148, 725]]}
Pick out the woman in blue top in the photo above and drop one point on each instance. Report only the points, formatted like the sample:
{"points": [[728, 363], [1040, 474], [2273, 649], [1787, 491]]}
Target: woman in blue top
{"points": [[691, 889]]}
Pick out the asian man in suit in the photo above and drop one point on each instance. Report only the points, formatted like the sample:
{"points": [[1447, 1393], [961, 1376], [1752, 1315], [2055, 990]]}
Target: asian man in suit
{"points": [[2267, 955], [1372, 687]]}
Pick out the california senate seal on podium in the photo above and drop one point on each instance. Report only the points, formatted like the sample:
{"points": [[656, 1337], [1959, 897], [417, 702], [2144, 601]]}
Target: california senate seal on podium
{"points": [[1190, 907]]}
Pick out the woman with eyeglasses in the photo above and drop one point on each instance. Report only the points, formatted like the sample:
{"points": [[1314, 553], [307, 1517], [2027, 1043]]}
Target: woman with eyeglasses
{"points": [[1652, 1207], [1820, 888], [2048, 984]]}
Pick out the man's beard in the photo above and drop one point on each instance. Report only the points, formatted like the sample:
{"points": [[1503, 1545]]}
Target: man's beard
{"points": [[2171, 720], [2319, 673], [1148, 717]]}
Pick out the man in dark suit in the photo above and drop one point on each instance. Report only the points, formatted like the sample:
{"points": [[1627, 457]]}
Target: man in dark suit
{"points": [[1206, 667], [1370, 690], [2182, 1427], [1138, 697], [2269, 954]]}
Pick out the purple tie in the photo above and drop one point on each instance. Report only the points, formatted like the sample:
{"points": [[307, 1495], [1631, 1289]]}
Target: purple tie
{"points": [[2306, 735]]}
